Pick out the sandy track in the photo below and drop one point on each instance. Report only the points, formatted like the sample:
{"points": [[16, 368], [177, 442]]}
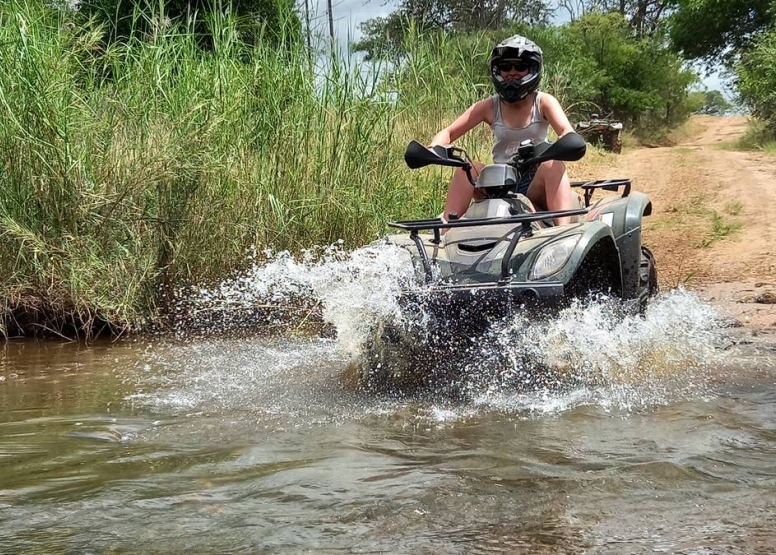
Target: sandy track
{"points": [[749, 179], [713, 226]]}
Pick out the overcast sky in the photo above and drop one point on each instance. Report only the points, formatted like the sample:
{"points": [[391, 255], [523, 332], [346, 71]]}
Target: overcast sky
{"points": [[349, 13]]}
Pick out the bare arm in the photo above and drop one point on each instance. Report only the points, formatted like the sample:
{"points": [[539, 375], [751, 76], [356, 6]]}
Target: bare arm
{"points": [[553, 112], [473, 116]]}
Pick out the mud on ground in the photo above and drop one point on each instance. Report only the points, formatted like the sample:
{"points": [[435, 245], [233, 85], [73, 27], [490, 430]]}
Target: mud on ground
{"points": [[713, 224]]}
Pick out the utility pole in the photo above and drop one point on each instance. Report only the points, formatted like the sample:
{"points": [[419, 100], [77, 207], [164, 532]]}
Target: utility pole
{"points": [[331, 22], [307, 20]]}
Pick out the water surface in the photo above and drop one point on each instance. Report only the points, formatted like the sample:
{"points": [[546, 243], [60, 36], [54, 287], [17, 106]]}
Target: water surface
{"points": [[201, 444]]}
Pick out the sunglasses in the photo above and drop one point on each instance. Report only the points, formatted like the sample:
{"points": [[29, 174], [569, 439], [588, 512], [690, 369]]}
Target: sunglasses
{"points": [[507, 66]]}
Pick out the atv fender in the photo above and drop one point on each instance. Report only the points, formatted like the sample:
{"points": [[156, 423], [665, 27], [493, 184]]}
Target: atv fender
{"points": [[628, 237], [596, 240]]}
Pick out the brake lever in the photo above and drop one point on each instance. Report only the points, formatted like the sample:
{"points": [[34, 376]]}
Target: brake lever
{"points": [[461, 154], [452, 152], [458, 152]]}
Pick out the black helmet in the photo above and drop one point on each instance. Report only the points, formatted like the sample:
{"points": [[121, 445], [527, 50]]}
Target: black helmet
{"points": [[516, 48]]}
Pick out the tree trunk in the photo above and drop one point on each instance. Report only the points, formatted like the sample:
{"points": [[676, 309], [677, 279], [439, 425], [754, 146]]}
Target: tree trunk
{"points": [[499, 15]]}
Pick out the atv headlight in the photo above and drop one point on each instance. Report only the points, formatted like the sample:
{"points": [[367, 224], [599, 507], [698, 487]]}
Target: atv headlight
{"points": [[552, 257]]}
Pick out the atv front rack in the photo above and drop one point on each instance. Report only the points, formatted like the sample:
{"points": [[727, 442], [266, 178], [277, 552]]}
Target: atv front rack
{"points": [[589, 187], [437, 224]]}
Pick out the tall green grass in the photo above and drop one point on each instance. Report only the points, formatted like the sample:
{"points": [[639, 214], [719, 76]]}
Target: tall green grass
{"points": [[152, 164]]}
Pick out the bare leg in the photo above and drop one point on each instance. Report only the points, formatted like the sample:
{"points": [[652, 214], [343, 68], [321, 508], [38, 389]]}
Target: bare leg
{"points": [[551, 189], [460, 192]]}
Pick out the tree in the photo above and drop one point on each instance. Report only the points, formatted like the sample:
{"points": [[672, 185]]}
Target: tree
{"points": [[634, 78], [714, 103], [740, 35], [757, 79], [645, 16], [719, 30], [383, 36]]}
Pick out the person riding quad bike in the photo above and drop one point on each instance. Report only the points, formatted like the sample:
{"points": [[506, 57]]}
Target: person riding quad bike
{"points": [[527, 244], [517, 113]]}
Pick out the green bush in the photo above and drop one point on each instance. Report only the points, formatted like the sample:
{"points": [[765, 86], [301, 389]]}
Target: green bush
{"points": [[757, 79]]}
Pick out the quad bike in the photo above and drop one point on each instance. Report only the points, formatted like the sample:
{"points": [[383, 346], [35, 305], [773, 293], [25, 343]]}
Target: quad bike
{"points": [[605, 132], [502, 258]]}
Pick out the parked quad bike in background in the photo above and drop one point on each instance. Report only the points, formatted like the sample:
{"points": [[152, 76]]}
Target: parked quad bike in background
{"points": [[605, 132]]}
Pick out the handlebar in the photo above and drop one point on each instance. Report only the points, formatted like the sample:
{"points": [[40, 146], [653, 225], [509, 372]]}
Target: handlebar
{"points": [[570, 147]]}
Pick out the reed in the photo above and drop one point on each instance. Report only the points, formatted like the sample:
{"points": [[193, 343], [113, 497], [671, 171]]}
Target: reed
{"points": [[154, 163]]}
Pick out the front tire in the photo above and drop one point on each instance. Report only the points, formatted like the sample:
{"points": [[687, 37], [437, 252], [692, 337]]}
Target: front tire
{"points": [[598, 274], [648, 273]]}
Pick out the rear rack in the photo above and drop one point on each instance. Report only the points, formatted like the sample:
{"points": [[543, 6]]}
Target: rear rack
{"points": [[589, 187], [436, 224]]}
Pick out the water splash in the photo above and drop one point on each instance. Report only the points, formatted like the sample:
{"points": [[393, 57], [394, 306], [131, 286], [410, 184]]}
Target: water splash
{"points": [[352, 291], [588, 353], [599, 356], [260, 378]]}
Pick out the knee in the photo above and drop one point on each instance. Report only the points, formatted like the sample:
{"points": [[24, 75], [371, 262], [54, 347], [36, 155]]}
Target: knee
{"points": [[460, 174], [461, 177], [552, 168]]}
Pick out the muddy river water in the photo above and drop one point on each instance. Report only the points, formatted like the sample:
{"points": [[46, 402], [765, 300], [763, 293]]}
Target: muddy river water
{"points": [[212, 445]]}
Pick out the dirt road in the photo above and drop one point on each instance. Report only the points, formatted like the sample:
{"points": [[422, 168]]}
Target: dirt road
{"points": [[713, 226]]}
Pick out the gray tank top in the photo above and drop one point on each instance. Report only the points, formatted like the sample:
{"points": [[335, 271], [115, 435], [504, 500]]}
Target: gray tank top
{"points": [[509, 138]]}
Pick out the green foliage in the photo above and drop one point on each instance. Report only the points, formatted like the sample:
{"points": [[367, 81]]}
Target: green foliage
{"points": [[759, 136], [646, 17], [635, 78], [384, 37], [717, 30], [253, 19], [757, 79], [738, 35], [696, 100], [711, 102], [720, 229]]}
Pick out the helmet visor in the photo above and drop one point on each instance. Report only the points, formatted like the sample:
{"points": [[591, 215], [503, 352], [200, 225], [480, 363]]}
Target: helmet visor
{"points": [[505, 66]]}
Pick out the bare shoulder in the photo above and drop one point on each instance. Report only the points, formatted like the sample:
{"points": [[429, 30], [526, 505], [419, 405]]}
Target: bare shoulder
{"points": [[551, 110], [547, 101], [484, 111]]}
